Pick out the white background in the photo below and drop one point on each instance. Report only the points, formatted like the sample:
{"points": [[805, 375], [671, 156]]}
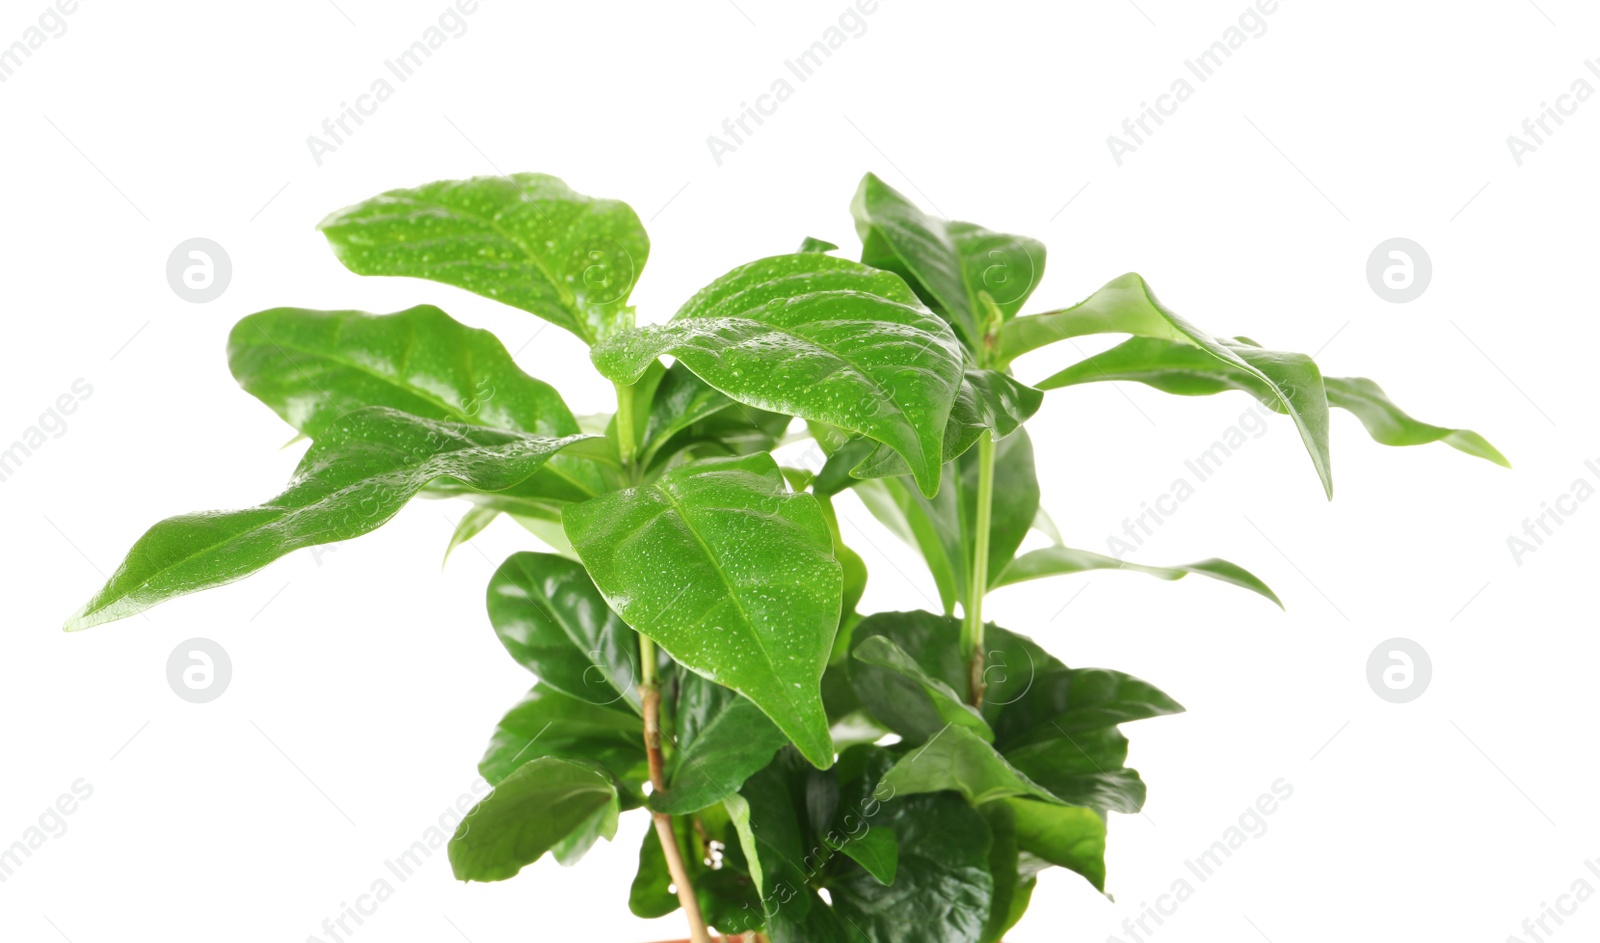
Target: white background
{"points": [[366, 681]]}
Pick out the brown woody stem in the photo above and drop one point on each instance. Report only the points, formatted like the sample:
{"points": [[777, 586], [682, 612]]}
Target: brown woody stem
{"points": [[650, 701]]}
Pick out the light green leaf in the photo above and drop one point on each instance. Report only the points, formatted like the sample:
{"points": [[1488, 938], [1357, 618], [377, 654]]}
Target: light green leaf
{"points": [[524, 239], [818, 337], [1055, 561], [910, 701], [732, 575], [1067, 836], [958, 759], [1389, 425], [547, 722], [476, 519], [1126, 305], [722, 738], [530, 812], [1063, 701], [354, 478], [951, 265], [549, 616]]}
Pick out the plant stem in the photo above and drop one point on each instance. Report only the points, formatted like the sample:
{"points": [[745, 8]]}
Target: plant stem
{"points": [[626, 443], [650, 700], [978, 581]]}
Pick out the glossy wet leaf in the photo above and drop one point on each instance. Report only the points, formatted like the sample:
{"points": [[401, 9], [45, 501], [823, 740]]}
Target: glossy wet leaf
{"points": [[311, 367], [732, 575], [958, 759], [1012, 888], [1070, 837], [989, 401], [722, 738], [1126, 305], [898, 691], [950, 264], [356, 476], [525, 239], [530, 812], [547, 722], [551, 619], [818, 337], [1056, 561]]}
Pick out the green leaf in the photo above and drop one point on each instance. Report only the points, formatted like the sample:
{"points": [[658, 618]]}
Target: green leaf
{"points": [[1064, 701], [312, 367], [779, 853], [957, 759], [547, 722], [910, 701], [525, 239], [944, 527], [988, 401], [354, 478], [650, 896], [687, 414], [1055, 561], [818, 337], [1067, 836], [1012, 888], [1389, 425], [813, 244], [1087, 769], [877, 850], [529, 813], [722, 738], [472, 523], [732, 575], [951, 265], [942, 890], [1188, 371], [1291, 382], [549, 616]]}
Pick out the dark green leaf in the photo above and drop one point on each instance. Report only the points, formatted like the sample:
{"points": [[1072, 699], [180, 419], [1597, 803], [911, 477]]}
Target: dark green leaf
{"points": [[942, 890], [549, 723], [1291, 382], [1054, 561], [877, 850], [951, 265], [651, 895], [1012, 889], [529, 813], [1069, 701], [818, 337], [957, 759], [722, 738], [524, 239], [910, 701], [553, 621], [734, 577], [355, 477], [1086, 769]]}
